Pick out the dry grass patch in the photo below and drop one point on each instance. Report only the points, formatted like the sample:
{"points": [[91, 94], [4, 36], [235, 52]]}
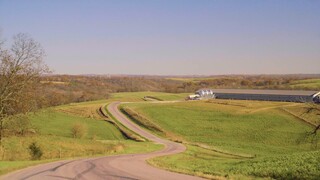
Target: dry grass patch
{"points": [[83, 110]]}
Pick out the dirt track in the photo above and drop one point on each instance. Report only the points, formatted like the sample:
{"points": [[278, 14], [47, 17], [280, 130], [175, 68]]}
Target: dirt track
{"points": [[111, 167]]}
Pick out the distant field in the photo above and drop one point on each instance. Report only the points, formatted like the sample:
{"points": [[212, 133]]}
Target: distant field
{"points": [[138, 96], [191, 79], [242, 128], [55, 82], [306, 84]]}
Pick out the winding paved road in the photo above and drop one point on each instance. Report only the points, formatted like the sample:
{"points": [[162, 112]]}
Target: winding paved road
{"points": [[111, 167]]}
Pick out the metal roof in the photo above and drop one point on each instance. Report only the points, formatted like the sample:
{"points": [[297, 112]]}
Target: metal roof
{"points": [[263, 91]]}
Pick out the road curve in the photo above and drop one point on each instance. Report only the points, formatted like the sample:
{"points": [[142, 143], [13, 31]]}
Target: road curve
{"points": [[129, 167]]}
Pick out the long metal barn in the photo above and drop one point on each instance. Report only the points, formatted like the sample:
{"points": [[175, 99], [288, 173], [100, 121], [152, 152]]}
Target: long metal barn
{"points": [[262, 95]]}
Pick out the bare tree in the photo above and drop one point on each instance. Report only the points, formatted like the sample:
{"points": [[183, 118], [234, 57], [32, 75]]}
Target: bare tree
{"points": [[312, 136], [20, 69], [315, 107]]}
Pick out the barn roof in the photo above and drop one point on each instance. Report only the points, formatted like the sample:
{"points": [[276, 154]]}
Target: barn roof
{"points": [[264, 91]]}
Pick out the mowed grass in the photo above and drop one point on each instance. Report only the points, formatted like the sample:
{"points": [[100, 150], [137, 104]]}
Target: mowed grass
{"points": [[246, 128]]}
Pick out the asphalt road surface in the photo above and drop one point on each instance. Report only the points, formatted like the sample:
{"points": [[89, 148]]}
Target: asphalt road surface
{"points": [[129, 167]]}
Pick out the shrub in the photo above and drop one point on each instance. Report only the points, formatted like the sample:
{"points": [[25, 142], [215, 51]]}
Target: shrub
{"points": [[19, 125], [78, 130], [35, 151]]}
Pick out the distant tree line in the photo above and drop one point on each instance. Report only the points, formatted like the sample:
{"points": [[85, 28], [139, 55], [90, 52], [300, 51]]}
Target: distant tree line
{"points": [[247, 82], [62, 89]]}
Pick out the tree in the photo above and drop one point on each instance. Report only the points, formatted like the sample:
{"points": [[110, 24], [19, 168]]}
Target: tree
{"points": [[20, 69], [19, 125], [35, 151], [313, 134]]}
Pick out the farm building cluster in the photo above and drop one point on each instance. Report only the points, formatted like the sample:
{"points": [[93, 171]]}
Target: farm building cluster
{"points": [[262, 95]]}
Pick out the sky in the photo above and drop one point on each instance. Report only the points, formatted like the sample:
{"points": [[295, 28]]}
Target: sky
{"points": [[170, 37]]}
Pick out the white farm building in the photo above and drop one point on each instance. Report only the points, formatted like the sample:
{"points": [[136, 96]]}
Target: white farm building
{"points": [[263, 95]]}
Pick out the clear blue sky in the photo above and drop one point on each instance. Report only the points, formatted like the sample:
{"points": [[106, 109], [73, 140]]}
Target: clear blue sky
{"points": [[176, 37]]}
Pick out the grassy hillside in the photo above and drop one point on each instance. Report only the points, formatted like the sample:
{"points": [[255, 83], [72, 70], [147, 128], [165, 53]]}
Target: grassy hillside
{"points": [[237, 139], [53, 126], [58, 123], [227, 132]]}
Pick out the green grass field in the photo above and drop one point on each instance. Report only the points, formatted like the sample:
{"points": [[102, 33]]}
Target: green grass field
{"points": [[53, 134], [306, 84], [58, 123], [224, 128], [220, 136]]}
